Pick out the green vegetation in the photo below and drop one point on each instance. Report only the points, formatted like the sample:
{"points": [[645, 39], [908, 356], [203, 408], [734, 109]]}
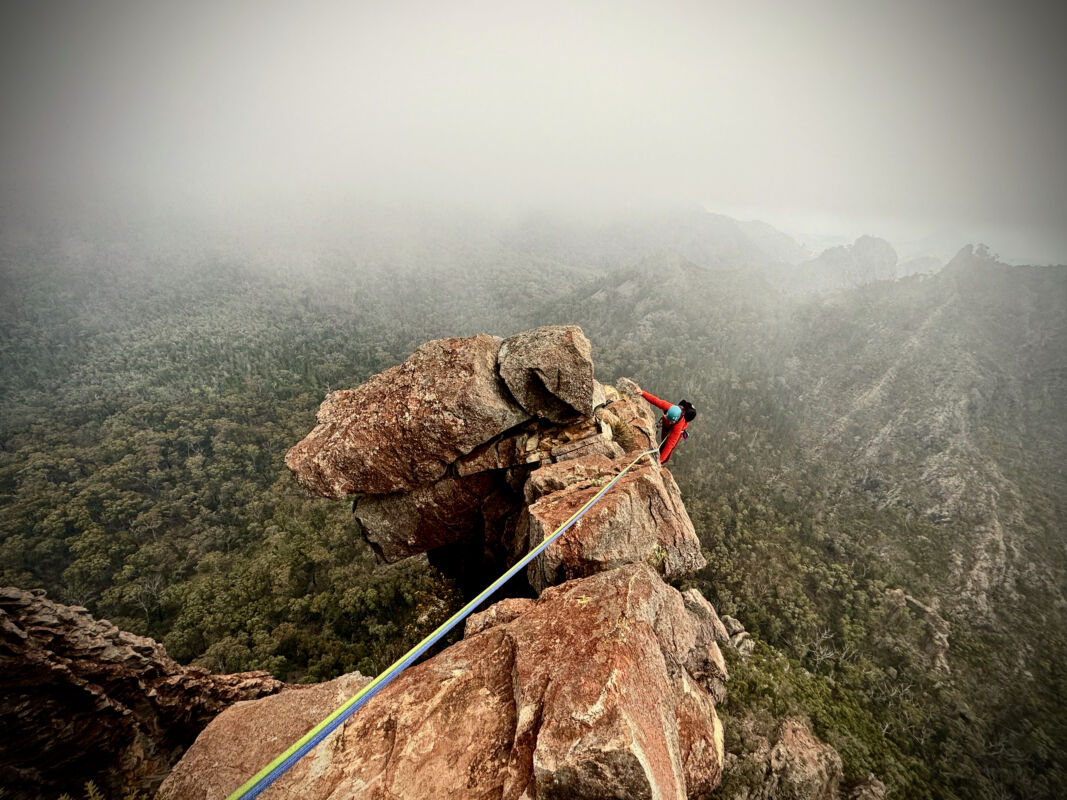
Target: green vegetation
{"points": [[147, 406]]}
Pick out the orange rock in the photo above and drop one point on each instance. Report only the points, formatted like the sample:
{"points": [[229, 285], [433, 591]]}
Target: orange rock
{"points": [[405, 426], [641, 520], [587, 692]]}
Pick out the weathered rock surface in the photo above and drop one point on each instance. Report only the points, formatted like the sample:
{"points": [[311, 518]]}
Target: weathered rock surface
{"points": [[255, 733], [405, 426], [801, 766], [786, 763], [710, 631], [408, 523], [739, 639], [83, 699], [550, 371], [604, 686], [591, 691], [421, 444], [870, 788], [642, 519]]}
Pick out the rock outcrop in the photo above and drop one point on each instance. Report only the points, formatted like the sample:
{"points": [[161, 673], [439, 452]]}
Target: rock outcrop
{"points": [[83, 698], [740, 639], [493, 443], [600, 688], [603, 686]]}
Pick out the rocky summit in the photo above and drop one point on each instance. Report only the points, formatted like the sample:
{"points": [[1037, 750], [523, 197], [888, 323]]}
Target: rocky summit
{"points": [[593, 679], [490, 444], [601, 683]]}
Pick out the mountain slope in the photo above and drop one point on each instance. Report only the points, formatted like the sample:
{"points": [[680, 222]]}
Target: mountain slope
{"points": [[903, 437]]}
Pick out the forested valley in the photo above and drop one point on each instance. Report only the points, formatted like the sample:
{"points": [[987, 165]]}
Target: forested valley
{"points": [[895, 438]]}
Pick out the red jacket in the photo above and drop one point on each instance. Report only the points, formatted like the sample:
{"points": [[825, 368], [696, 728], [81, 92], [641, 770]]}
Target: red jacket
{"points": [[672, 430]]}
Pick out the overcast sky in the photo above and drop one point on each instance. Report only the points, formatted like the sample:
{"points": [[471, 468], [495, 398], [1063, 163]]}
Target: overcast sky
{"points": [[896, 118]]}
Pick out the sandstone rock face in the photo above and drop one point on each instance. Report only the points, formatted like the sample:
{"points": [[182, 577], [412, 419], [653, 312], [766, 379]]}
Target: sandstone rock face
{"points": [[405, 426], [256, 733], [550, 371], [642, 519], [603, 687], [711, 633], [591, 691], [422, 445], [702, 609], [83, 699]]}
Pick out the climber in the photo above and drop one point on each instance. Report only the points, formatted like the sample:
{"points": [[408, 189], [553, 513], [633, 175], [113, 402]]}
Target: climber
{"points": [[675, 420]]}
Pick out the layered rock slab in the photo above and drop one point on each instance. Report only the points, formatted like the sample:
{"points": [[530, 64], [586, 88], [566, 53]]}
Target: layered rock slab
{"points": [[587, 692], [461, 418], [405, 426], [641, 520], [83, 699]]}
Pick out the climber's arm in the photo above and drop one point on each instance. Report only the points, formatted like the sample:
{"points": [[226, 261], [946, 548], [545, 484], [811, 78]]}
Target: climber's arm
{"points": [[662, 405]]}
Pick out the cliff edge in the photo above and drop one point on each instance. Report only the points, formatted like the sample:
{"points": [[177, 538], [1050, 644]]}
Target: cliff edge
{"points": [[82, 697]]}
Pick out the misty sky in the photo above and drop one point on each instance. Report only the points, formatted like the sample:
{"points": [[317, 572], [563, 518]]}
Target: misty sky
{"points": [[895, 118]]}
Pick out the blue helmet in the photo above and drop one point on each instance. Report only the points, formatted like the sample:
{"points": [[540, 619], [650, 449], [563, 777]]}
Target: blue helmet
{"points": [[674, 413]]}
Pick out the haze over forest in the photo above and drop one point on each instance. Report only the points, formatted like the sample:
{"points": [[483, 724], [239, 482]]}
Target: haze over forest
{"points": [[928, 124], [839, 228]]}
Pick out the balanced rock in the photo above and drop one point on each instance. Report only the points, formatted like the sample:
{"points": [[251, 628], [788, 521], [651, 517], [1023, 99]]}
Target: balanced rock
{"points": [[550, 371], [587, 692]]}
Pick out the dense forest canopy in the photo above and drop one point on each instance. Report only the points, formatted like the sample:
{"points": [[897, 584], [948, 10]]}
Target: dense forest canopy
{"points": [[896, 437]]}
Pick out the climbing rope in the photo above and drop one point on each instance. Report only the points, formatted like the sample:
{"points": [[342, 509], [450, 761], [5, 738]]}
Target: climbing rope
{"points": [[279, 766]]}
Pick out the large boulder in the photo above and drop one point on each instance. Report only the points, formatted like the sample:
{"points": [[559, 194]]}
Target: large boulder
{"points": [[405, 426], [550, 371], [84, 700], [425, 446], [641, 520], [590, 691]]}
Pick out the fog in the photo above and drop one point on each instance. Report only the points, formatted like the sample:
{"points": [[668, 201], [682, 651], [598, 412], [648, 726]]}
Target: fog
{"points": [[914, 121]]}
